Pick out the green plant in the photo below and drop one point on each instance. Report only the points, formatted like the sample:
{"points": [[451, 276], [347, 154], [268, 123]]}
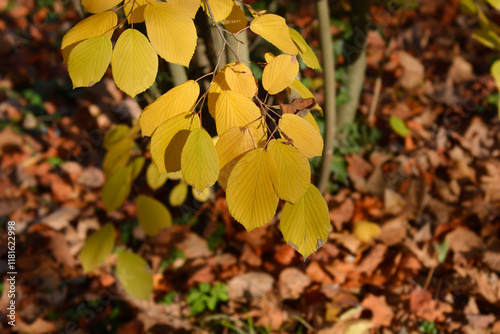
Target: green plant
{"points": [[428, 327], [168, 299], [206, 296]]}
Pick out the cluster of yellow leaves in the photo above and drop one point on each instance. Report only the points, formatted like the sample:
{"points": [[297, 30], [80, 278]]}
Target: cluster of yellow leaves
{"points": [[88, 50], [255, 170]]}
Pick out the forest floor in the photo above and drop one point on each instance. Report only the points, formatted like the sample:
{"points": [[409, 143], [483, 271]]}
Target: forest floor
{"points": [[414, 242]]}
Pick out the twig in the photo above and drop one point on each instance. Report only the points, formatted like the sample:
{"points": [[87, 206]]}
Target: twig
{"points": [[330, 92]]}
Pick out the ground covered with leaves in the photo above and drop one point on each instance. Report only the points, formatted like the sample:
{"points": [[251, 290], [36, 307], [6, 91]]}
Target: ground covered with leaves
{"points": [[414, 203]]}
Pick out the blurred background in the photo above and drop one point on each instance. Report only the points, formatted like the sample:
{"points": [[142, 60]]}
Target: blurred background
{"points": [[413, 187]]}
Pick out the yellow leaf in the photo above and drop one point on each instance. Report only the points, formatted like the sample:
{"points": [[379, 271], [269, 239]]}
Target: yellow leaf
{"points": [[268, 56], [233, 143], [114, 135], [175, 175], [280, 73], [304, 92], [89, 60], [273, 28], [236, 20], [190, 6], [97, 6], [204, 195], [97, 248], [171, 32], [137, 14], [494, 3], [293, 170], [153, 177], [117, 188], [178, 194], [169, 139], [250, 194], [92, 26], [134, 62], [135, 275], [117, 155], [305, 51], [240, 79], [366, 231], [152, 215], [305, 224], [226, 171], [302, 134], [310, 118], [220, 8], [178, 100], [199, 160], [217, 86], [487, 37], [136, 166], [233, 109], [495, 72]]}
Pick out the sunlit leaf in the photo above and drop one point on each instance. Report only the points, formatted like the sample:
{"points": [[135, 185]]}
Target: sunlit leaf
{"points": [[97, 248], [305, 51], [134, 62], [176, 176], [216, 88], [468, 7], [250, 194], [171, 32], [495, 72], [137, 14], [305, 224], [487, 37], [399, 126], [178, 100], [240, 79], [302, 134], [136, 166], [293, 170], [154, 179], [233, 143], [226, 171], [97, 6], [178, 194], [168, 141], [92, 26], [220, 8], [274, 29], [280, 73], [135, 275], [152, 215], [89, 60], [117, 188], [117, 155], [494, 3], [204, 195], [233, 109], [190, 6], [366, 231], [304, 92], [236, 20], [310, 118], [114, 135], [199, 160]]}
